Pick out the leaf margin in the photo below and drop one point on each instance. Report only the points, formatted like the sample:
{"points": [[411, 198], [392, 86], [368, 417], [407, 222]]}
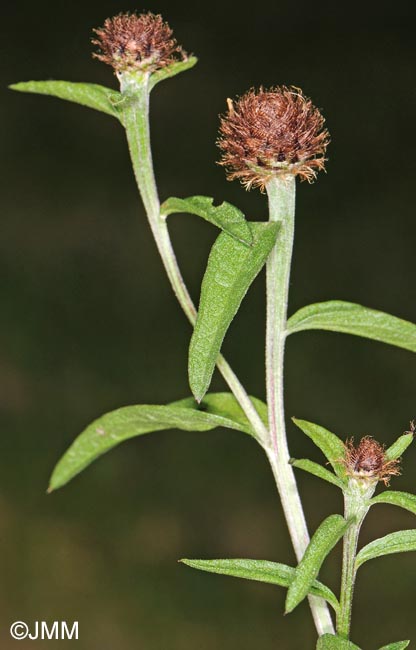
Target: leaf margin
{"points": [[393, 497], [172, 70], [210, 328], [317, 470], [315, 317], [94, 96], [335, 642], [317, 588], [328, 442], [203, 207], [325, 538], [91, 436], [369, 551]]}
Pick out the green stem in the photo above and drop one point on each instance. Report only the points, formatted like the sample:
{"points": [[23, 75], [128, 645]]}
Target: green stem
{"points": [[356, 506], [281, 194], [136, 122]]}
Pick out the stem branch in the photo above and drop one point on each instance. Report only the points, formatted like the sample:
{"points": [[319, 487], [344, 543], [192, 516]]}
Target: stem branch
{"points": [[281, 194], [136, 122], [281, 199], [356, 505]]}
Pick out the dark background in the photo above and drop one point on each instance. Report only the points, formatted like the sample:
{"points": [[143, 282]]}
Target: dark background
{"points": [[89, 324]]}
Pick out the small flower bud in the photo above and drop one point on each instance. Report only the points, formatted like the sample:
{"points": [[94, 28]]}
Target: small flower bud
{"points": [[367, 462], [273, 132], [130, 42]]}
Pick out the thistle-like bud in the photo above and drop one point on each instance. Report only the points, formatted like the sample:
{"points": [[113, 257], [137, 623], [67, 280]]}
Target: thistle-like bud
{"points": [[130, 42], [368, 463], [272, 132]]}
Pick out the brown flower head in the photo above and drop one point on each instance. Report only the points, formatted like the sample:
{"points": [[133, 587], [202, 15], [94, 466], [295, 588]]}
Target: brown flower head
{"points": [[137, 42], [368, 461], [271, 132]]}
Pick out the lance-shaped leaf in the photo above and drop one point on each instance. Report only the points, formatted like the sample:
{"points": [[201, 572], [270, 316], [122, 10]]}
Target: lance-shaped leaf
{"points": [[399, 447], [232, 267], [217, 410], [171, 70], [400, 542], [350, 318], [323, 541], [224, 216], [331, 446], [317, 470], [92, 95], [397, 645], [225, 405], [262, 571], [402, 499], [333, 642]]}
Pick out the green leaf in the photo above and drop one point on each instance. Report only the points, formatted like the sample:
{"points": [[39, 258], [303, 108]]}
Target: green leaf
{"points": [[399, 447], [226, 406], [400, 542], [397, 645], [402, 499], [217, 410], [333, 642], [232, 267], [262, 571], [331, 446], [171, 70], [323, 541], [224, 216], [92, 95], [350, 318], [317, 470]]}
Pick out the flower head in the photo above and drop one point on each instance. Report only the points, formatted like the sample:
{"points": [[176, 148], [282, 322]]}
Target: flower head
{"points": [[130, 42], [368, 462], [272, 132]]}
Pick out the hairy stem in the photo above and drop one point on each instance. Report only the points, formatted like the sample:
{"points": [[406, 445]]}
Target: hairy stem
{"points": [[136, 122], [356, 506], [281, 194]]}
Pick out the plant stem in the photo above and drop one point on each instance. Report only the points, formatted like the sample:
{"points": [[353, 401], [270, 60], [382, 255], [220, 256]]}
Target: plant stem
{"points": [[136, 122], [281, 195], [356, 506]]}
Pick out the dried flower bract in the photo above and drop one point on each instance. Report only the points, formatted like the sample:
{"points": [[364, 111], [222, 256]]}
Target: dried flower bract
{"points": [[368, 461], [272, 132], [130, 42]]}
